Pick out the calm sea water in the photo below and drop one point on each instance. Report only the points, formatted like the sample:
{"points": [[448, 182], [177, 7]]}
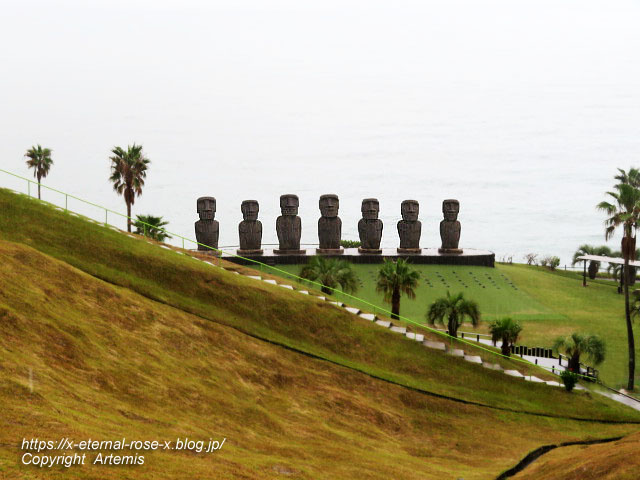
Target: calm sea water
{"points": [[521, 110]]}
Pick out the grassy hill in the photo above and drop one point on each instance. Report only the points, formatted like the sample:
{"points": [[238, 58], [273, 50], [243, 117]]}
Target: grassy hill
{"points": [[124, 338], [617, 460], [547, 304]]}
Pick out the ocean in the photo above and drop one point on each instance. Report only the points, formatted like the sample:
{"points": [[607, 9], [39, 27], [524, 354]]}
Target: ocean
{"points": [[522, 110]]}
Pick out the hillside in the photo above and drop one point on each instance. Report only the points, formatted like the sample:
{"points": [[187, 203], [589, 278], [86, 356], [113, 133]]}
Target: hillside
{"points": [[128, 339], [607, 461]]}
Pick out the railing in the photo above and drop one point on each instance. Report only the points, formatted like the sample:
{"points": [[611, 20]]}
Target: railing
{"points": [[338, 294]]}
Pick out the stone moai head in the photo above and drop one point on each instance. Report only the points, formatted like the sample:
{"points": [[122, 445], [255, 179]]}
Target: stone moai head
{"points": [[250, 209], [329, 205], [206, 208], [370, 208], [450, 209], [289, 204], [409, 210]]}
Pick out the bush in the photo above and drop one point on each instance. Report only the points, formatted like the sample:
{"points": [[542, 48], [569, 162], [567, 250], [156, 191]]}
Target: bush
{"points": [[350, 243], [551, 262], [569, 379]]}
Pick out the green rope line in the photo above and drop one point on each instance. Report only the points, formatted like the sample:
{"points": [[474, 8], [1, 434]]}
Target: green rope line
{"points": [[302, 280]]}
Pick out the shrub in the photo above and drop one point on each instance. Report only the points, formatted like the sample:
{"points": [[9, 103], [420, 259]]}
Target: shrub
{"points": [[531, 258], [569, 379], [551, 262], [350, 243]]}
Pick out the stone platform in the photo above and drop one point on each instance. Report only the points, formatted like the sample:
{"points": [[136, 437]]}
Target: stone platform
{"points": [[429, 256]]}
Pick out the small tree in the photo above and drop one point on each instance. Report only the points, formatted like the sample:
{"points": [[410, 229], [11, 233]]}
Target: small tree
{"points": [[551, 262], [455, 309], [569, 379], [576, 345], [128, 171], [331, 273], [531, 258], [594, 265], [152, 227], [40, 160], [507, 330], [394, 279]]}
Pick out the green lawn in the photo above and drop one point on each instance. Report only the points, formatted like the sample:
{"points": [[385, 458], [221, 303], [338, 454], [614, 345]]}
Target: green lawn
{"points": [[548, 304]]}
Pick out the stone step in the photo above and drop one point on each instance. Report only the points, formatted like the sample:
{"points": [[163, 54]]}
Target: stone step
{"points": [[269, 280], [321, 297], [492, 366], [355, 311], [554, 384], [335, 303], [418, 337], [455, 352], [255, 277], [473, 359], [397, 329], [514, 373], [383, 323], [435, 345], [286, 286], [304, 292], [533, 379], [368, 316]]}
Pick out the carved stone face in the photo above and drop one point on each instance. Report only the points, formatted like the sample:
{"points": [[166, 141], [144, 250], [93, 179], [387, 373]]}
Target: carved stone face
{"points": [[370, 208], [289, 204], [450, 209], [409, 210], [329, 205], [206, 208], [250, 209]]}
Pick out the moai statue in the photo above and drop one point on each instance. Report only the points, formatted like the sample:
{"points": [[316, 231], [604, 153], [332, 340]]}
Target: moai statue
{"points": [[409, 228], [207, 229], [329, 225], [450, 227], [370, 227], [289, 226], [250, 229]]}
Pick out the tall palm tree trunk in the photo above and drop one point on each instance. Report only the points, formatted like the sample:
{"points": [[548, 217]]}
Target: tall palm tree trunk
{"points": [[129, 217], [395, 303], [627, 312], [39, 177]]}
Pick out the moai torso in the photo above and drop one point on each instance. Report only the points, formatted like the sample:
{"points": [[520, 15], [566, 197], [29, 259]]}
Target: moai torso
{"points": [[288, 225], [370, 226], [207, 228], [250, 229], [450, 227], [409, 228], [329, 224]]}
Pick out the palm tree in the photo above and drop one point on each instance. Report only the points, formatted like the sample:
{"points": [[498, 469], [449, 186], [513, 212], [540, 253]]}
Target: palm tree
{"points": [[594, 265], [507, 330], [152, 227], [40, 160], [455, 308], [128, 171], [576, 345], [632, 177], [394, 279], [331, 272], [625, 212]]}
